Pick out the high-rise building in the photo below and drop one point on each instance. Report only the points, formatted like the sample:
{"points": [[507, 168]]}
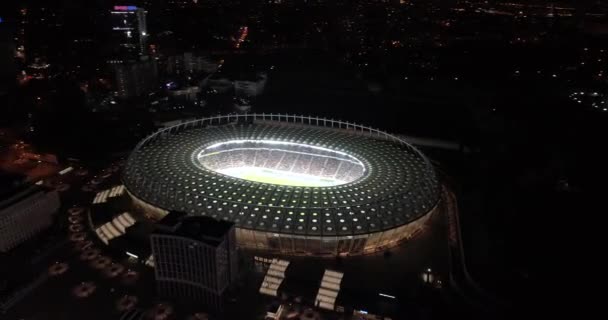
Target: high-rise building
{"points": [[135, 78], [135, 73], [25, 210], [130, 32], [195, 258]]}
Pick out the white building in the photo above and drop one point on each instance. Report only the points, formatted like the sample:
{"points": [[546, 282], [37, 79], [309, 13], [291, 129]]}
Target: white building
{"points": [[248, 88], [188, 63], [242, 88], [187, 94], [195, 258]]}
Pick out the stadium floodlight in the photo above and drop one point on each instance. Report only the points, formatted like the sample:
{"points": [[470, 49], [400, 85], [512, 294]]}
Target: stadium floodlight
{"points": [[354, 187]]}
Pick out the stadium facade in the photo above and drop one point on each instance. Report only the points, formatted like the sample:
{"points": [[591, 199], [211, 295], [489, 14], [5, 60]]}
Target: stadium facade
{"points": [[291, 184]]}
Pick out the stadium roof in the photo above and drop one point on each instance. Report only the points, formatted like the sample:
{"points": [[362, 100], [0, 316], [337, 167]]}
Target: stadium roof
{"points": [[399, 185]]}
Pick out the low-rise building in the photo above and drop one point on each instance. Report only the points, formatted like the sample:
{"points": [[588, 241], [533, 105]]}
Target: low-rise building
{"points": [[25, 210]]}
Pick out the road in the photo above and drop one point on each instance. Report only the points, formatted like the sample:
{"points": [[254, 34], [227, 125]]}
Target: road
{"points": [[460, 280]]}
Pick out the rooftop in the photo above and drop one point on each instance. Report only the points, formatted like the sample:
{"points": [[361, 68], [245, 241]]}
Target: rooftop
{"points": [[12, 193], [200, 228]]}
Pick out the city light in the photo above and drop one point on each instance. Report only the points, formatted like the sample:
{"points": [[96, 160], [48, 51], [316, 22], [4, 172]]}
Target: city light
{"points": [[204, 130], [125, 8], [66, 170]]}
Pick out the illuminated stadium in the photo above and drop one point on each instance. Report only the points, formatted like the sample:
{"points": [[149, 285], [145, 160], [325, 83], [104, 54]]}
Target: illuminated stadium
{"points": [[292, 184]]}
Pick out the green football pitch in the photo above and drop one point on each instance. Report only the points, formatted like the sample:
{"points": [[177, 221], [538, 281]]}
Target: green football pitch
{"points": [[279, 177]]}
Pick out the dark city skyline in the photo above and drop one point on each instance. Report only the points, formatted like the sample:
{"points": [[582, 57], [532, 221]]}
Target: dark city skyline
{"points": [[296, 159]]}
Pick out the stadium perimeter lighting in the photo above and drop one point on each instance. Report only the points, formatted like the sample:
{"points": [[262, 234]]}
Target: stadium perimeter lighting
{"points": [[291, 184]]}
